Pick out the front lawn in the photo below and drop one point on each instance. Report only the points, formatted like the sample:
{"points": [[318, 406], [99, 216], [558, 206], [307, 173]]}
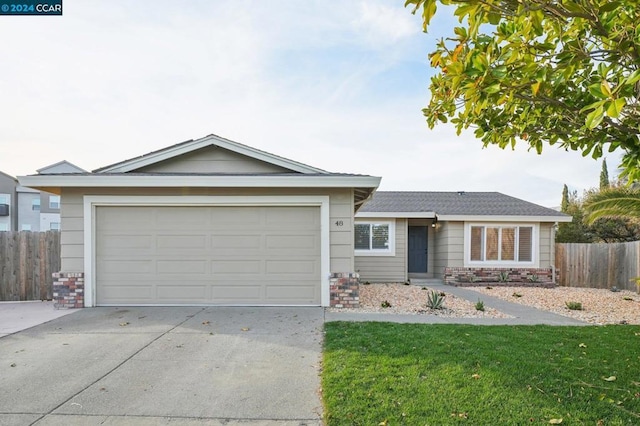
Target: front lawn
{"points": [[416, 374]]}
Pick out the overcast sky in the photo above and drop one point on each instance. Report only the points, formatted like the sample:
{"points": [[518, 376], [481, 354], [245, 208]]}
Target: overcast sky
{"points": [[338, 85]]}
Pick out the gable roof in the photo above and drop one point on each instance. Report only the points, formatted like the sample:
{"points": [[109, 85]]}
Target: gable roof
{"points": [[60, 167], [182, 148], [126, 174], [457, 206]]}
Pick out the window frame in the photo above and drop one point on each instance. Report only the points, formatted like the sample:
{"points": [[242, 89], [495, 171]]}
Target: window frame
{"points": [[25, 227], [52, 228], [391, 248], [57, 203], [535, 243], [36, 202]]}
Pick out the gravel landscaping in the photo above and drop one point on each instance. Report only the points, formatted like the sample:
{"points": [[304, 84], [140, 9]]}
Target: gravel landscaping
{"points": [[412, 299], [599, 306]]}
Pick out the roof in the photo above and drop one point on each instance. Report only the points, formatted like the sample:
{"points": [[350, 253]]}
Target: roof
{"points": [[459, 205], [127, 174], [61, 167], [210, 140]]}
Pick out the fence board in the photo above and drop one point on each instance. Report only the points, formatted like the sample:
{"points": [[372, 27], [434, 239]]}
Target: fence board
{"points": [[27, 262], [598, 265]]}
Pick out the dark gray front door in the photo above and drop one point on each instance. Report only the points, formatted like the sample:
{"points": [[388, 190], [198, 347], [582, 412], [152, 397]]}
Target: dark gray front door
{"points": [[418, 248]]}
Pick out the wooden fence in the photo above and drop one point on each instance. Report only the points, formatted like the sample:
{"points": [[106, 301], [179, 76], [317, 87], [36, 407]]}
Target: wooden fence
{"points": [[27, 260], [598, 265]]}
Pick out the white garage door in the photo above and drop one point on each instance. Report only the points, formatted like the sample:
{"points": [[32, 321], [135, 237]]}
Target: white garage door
{"points": [[207, 255]]}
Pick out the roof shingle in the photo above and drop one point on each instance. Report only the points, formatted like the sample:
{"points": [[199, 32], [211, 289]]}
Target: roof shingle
{"points": [[454, 203]]}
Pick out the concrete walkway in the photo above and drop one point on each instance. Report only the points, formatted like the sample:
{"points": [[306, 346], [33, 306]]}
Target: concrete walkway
{"points": [[522, 315]]}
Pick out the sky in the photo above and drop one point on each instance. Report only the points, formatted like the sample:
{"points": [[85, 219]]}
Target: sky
{"points": [[338, 85]]}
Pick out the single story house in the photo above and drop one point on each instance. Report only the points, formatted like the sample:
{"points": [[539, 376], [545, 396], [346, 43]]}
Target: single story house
{"points": [[454, 236], [214, 222]]}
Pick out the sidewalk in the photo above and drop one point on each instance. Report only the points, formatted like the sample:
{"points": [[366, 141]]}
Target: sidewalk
{"points": [[17, 316], [522, 315]]}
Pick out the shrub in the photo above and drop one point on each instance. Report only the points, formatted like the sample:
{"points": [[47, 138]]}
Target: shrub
{"points": [[435, 300], [480, 305], [503, 277], [574, 306], [385, 304]]}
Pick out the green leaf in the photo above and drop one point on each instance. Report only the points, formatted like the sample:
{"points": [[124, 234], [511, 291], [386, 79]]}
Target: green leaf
{"points": [[608, 7], [614, 108], [594, 118], [494, 88], [605, 88]]}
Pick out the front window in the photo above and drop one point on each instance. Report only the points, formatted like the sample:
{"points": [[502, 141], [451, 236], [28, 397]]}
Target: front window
{"points": [[25, 227], [54, 202], [54, 226], [501, 244], [35, 204], [374, 238]]}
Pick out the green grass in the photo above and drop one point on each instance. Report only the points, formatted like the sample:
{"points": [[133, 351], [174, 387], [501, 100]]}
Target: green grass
{"points": [[415, 374]]}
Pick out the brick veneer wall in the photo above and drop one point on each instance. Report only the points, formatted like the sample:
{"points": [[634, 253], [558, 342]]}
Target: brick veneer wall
{"points": [[68, 290], [344, 290], [480, 276]]}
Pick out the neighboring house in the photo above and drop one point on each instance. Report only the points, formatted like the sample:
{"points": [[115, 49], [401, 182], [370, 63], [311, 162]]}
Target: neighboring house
{"points": [[207, 221], [212, 221], [30, 209], [8, 204], [455, 236]]}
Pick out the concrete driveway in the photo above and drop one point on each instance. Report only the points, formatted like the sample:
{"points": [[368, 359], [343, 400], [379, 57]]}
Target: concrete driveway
{"points": [[117, 366]]}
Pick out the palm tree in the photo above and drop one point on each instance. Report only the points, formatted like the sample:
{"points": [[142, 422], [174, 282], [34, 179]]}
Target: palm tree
{"points": [[619, 201]]}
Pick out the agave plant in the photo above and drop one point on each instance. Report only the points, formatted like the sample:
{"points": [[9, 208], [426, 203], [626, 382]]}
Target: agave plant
{"points": [[435, 300]]}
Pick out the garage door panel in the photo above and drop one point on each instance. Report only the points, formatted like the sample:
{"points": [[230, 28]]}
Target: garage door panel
{"points": [[126, 293], [298, 267], [284, 293], [176, 292], [233, 267], [235, 255], [238, 293], [116, 242], [197, 242], [183, 267], [291, 218], [288, 242], [234, 241], [189, 218], [127, 266], [237, 218]]}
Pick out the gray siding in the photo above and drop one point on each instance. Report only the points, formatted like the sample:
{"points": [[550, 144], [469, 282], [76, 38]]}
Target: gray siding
{"points": [[449, 246], [212, 160], [386, 268], [45, 203], [341, 208], [546, 244], [8, 187], [26, 214]]}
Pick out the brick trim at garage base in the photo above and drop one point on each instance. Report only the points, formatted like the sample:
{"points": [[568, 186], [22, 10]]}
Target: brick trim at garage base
{"points": [[68, 290], [344, 290]]}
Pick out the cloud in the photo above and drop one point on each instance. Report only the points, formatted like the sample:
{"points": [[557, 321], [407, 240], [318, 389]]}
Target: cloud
{"points": [[337, 85]]}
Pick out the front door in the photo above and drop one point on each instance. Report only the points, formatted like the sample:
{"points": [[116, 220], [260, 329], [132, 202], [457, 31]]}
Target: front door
{"points": [[418, 248]]}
